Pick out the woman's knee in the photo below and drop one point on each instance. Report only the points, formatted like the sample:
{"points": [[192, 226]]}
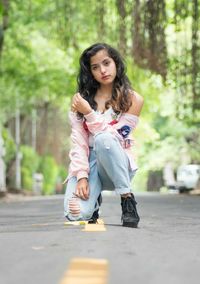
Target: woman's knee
{"points": [[104, 140], [74, 211], [87, 213]]}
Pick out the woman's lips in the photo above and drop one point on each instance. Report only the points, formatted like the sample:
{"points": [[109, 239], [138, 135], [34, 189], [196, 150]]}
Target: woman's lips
{"points": [[105, 77]]}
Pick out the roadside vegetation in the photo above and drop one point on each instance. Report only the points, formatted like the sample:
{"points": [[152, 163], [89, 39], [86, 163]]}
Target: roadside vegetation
{"points": [[40, 43]]}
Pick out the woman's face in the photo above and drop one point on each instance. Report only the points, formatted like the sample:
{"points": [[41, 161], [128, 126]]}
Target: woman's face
{"points": [[103, 67]]}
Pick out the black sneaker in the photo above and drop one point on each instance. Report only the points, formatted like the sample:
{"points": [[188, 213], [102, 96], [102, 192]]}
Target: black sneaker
{"points": [[95, 215], [130, 217]]}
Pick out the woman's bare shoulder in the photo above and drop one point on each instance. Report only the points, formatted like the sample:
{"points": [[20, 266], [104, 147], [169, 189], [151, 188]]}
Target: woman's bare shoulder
{"points": [[137, 103]]}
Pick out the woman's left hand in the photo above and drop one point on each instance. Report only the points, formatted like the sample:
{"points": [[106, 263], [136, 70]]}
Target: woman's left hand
{"points": [[82, 189], [79, 104]]}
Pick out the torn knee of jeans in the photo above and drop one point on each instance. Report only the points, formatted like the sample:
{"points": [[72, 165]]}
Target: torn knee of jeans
{"points": [[74, 206]]}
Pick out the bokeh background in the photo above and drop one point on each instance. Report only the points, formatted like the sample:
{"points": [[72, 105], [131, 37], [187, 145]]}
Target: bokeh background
{"points": [[40, 45]]}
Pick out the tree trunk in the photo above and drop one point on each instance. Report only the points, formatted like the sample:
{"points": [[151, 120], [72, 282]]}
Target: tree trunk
{"points": [[4, 24], [155, 181], [101, 20], [2, 165], [43, 130], [122, 26], [195, 55], [18, 154]]}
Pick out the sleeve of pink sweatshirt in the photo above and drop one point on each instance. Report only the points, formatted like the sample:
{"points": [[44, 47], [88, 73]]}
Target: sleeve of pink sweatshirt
{"points": [[126, 123], [79, 152]]}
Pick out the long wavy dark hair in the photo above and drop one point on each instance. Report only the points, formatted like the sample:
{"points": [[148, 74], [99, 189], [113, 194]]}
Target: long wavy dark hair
{"points": [[88, 86]]}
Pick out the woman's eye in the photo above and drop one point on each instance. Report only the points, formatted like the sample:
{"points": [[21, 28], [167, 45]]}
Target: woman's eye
{"points": [[94, 68], [107, 63]]}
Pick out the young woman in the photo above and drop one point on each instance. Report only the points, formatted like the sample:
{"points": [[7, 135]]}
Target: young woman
{"points": [[104, 112]]}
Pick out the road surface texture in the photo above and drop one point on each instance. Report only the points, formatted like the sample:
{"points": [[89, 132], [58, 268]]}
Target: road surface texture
{"points": [[36, 246]]}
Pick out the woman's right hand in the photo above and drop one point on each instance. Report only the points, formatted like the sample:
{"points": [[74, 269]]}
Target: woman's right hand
{"points": [[80, 104], [82, 189]]}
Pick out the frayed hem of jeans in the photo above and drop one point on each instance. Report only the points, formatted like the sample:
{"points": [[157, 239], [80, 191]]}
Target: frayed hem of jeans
{"points": [[122, 190]]}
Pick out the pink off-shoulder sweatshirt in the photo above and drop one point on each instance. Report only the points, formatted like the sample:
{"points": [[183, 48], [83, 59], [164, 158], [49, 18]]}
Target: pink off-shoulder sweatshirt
{"points": [[92, 124]]}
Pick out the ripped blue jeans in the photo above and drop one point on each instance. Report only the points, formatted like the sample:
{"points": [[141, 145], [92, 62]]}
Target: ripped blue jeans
{"points": [[109, 170]]}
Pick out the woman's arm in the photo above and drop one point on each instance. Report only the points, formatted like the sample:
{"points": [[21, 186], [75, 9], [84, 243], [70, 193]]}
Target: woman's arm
{"points": [[79, 165], [96, 123], [137, 104]]}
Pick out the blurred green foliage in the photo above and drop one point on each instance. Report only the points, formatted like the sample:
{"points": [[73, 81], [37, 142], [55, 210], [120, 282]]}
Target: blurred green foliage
{"points": [[50, 170], [9, 145], [39, 65], [29, 165]]}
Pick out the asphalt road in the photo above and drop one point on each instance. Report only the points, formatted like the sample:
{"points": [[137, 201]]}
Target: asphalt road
{"points": [[36, 246]]}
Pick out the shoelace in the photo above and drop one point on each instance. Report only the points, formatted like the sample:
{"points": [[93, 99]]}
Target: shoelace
{"points": [[129, 204]]}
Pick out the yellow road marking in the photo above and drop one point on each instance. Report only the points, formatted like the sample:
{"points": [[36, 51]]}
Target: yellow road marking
{"points": [[75, 223], [88, 227], [86, 271], [95, 227], [100, 221], [41, 224]]}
